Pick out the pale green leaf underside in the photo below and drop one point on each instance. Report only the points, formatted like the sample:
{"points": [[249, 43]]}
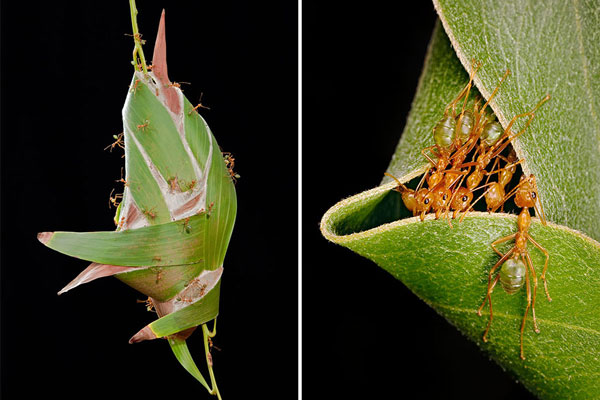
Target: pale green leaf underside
{"points": [[174, 243], [448, 268], [200, 312]]}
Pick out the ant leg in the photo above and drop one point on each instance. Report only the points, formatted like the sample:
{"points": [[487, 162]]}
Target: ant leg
{"points": [[447, 211], [490, 173], [535, 284], [543, 276], [401, 187], [422, 180], [502, 240], [507, 166], [488, 296], [464, 92], [541, 215], [426, 156], [475, 202], [509, 195], [530, 113], [474, 67], [489, 291], [526, 311], [495, 90]]}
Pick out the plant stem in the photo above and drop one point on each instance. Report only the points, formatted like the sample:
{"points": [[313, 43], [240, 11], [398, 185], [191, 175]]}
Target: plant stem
{"points": [[208, 334], [138, 52]]}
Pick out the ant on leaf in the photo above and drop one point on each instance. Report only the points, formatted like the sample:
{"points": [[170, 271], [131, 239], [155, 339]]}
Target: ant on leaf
{"points": [[516, 265]]}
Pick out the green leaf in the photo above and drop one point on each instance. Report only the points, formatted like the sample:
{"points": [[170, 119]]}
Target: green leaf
{"points": [[448, 268], [182, 353], [550, 48], [173, 243], [177, 210]]}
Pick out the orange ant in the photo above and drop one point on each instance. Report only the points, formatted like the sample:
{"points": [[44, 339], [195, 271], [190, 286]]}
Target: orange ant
{"points": [[123, 181], [483, 160], [229, 164], [144, 125], [114, 201], [516, 264], [174, 184], [200, 105], [159, 274], [133, 89], [459, 132], [178, 84], [211, 345], [150, 213], [148, 303], [417, 201], [187, 228], [118, 142]]}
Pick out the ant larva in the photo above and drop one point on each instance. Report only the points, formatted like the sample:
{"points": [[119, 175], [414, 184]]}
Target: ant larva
{"points": [[516, 265]]}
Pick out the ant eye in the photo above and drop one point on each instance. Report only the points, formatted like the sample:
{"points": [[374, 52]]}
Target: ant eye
{"points": [[445, 197], [426, 201], [464, 198], [533, 195]]}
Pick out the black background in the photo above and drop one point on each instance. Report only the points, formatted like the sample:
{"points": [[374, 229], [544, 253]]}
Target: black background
{"points": [[365, 335], [65, 75]]}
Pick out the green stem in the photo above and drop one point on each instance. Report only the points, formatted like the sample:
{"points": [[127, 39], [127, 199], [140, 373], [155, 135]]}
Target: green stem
{"points": [[138, 52], [206, 333]]}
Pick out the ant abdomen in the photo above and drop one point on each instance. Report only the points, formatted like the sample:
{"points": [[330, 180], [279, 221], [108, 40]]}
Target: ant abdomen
{"points": [[408, 197], [494, 196], [492, 131], [512, 275], [443, 133], [464, 126]]}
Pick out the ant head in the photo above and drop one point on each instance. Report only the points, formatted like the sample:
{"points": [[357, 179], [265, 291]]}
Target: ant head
{"points": [[462, 199], [424, 199]]}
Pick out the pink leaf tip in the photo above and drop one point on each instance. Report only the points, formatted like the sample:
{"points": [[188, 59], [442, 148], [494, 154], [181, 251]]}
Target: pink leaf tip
{"points": [[45, 237]]}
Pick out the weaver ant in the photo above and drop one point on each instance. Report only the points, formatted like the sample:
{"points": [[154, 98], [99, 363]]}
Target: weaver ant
{"points": [[515, 265], [118, 142], [143, 126], [114, 201], [200, 105], [230, 163]]}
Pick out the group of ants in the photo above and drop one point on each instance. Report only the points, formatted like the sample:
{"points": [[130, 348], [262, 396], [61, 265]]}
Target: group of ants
{"points": [[474, 132]]}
